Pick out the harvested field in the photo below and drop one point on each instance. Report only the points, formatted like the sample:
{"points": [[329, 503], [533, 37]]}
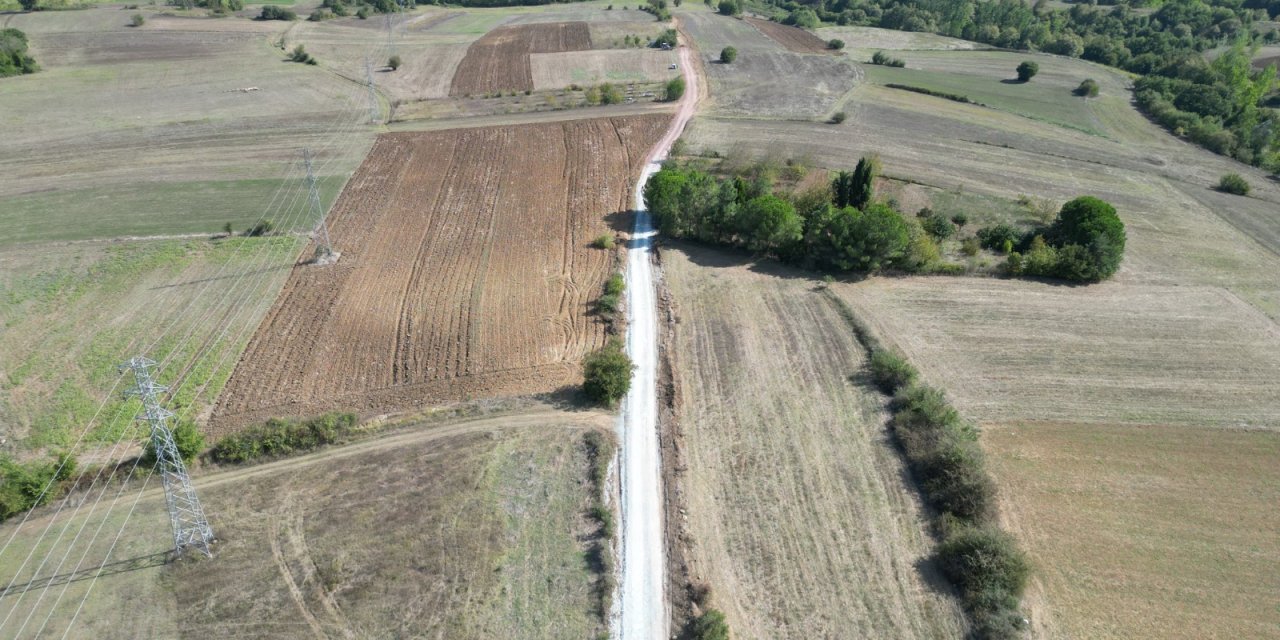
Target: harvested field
{"points": [[466, 272], [864, 40], [471, 530], [499, 61], [1144, 532], [559, 70], [1015, 350], [795, 39], [800, 518]]}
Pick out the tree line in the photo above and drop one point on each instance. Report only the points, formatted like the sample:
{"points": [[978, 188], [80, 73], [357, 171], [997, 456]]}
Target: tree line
{"points": [[844, 228], [1218, 104]]}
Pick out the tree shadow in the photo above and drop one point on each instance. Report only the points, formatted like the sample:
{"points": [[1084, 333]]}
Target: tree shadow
{"points": [[621, 221], [1012, 81], [107, 569]]}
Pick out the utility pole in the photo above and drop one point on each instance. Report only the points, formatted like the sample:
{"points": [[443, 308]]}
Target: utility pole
{"points": [[186, 517], [373, 94], [324, 253]]}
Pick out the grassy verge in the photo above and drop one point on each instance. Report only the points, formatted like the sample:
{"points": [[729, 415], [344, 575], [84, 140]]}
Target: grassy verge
{"points": [[982, 562], [600, 450]]}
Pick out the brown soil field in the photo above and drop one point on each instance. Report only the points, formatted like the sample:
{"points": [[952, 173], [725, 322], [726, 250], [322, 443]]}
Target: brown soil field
{"points": [[795, 39], [466, 272], [800, 519], [468, 529], [1144, 532], [499, 61]]}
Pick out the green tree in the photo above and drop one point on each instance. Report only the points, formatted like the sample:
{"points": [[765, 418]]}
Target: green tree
{"points": [[862, 189], [1087, 89], [770, 223], [730, 7], [186, 436], [394, 62], [29, 5], [607, 373], [1094, 226], [710, 625], [803, 17], [835, 44], [674, 89], [1027, 70], [881, 237], [728, 55]]}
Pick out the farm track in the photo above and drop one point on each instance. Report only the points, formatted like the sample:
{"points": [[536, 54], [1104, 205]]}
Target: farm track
{"points": [[499, 61], [465, 272]]}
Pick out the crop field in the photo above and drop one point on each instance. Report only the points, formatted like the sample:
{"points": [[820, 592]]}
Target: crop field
{"points": [[1171, 362], [861, 42], [476, 529], [173, 144], [499, 61], [794, 39], [800, 520], [466, 272], [559, 70], [1144, 532]]}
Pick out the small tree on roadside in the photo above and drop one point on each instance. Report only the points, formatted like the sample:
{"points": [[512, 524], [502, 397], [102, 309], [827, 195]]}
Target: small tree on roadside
{"points": [[1087, 89], [674, 89], [728, 55], [394, 62], [710, 625], [607, 374], [1234, 184], [1027, 70]]}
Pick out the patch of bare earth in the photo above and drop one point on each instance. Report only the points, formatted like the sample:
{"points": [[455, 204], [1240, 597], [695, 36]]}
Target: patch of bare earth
{"points": [[499, 61]]}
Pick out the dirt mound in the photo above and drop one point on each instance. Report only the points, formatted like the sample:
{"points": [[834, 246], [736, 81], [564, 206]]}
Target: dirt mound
{"points": [[793, 38], [499, 61], [465, 273]]}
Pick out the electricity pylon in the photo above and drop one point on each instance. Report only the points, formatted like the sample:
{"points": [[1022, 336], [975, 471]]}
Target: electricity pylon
{"points": [[186, 517], [324, 252], [373, 93]]}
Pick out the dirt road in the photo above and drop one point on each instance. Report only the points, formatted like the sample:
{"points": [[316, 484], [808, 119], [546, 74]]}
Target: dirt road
{"points": [[642, 612]]}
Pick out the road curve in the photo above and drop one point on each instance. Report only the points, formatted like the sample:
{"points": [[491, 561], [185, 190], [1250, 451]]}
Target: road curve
{"points": [[642, 612]]}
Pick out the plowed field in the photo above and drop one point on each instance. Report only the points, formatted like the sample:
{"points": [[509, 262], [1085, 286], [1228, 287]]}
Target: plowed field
{"points": [[500, 60], [793, 38], [465, 272]]}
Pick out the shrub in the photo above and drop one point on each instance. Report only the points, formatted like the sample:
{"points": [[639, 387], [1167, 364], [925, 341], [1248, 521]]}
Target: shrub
{"points": [[838, 117], [880, 58], [990, 573], [615, 284], [955, 97], [891, 371], [710, 625], [394, 62], [668, 37], [995, 237], [1095, 228], [262, 227], [728, 55], [138, 20], [609, 303], [943, 453], [362, 13], [835, 44], [939, 226], [1087, 89], [604, 241], [1027, 70], [960, 219], [1233, 183], [273, 12], [729, 7], [674, 89], [13, 54], [611, 94], [277, 438], [969, 246], [607, 374], [26, 485], [186, 437]]}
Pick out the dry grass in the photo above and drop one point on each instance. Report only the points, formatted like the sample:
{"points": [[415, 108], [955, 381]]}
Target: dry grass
{"points": [[559, 70], [863, 41], [1144, 532], [801, 519], [467, 530]]}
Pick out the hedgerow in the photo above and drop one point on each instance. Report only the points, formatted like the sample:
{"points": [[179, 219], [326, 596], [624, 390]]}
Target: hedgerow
{"points": [[277, 438]]}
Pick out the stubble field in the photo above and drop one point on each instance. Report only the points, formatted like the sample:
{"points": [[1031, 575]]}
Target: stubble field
{"points": [[467, 529], [800, 518], [466, 271]]}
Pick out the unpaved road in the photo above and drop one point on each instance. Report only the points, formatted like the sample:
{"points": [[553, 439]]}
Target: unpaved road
{"points": [[642, 604]]}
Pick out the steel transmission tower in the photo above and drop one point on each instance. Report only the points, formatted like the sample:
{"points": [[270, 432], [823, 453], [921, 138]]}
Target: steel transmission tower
{"points": [[324, 253], [373, 93], [186, 517]]}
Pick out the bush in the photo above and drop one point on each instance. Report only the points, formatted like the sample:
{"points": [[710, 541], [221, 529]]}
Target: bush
{"points": [[838, 117], [615, 285], [996, 237], [674, 89], [960, 219], [186, 436], [1233, 183], [939, 226], [891, 371], [277, 438], [273, 12], [26, 485], [362, 13], [668, 37], [710, 625], [607, 374], [990, 573], [835, 44], [1087, 89], [943, 453], [138, 20], [970, 246], [13, 54], [880, 58], [728, 55], [394, 62], [729, 7], [609, 303], [262, 227], [1093, 226], [955, 97], [1027, 70], [604, 241]]}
